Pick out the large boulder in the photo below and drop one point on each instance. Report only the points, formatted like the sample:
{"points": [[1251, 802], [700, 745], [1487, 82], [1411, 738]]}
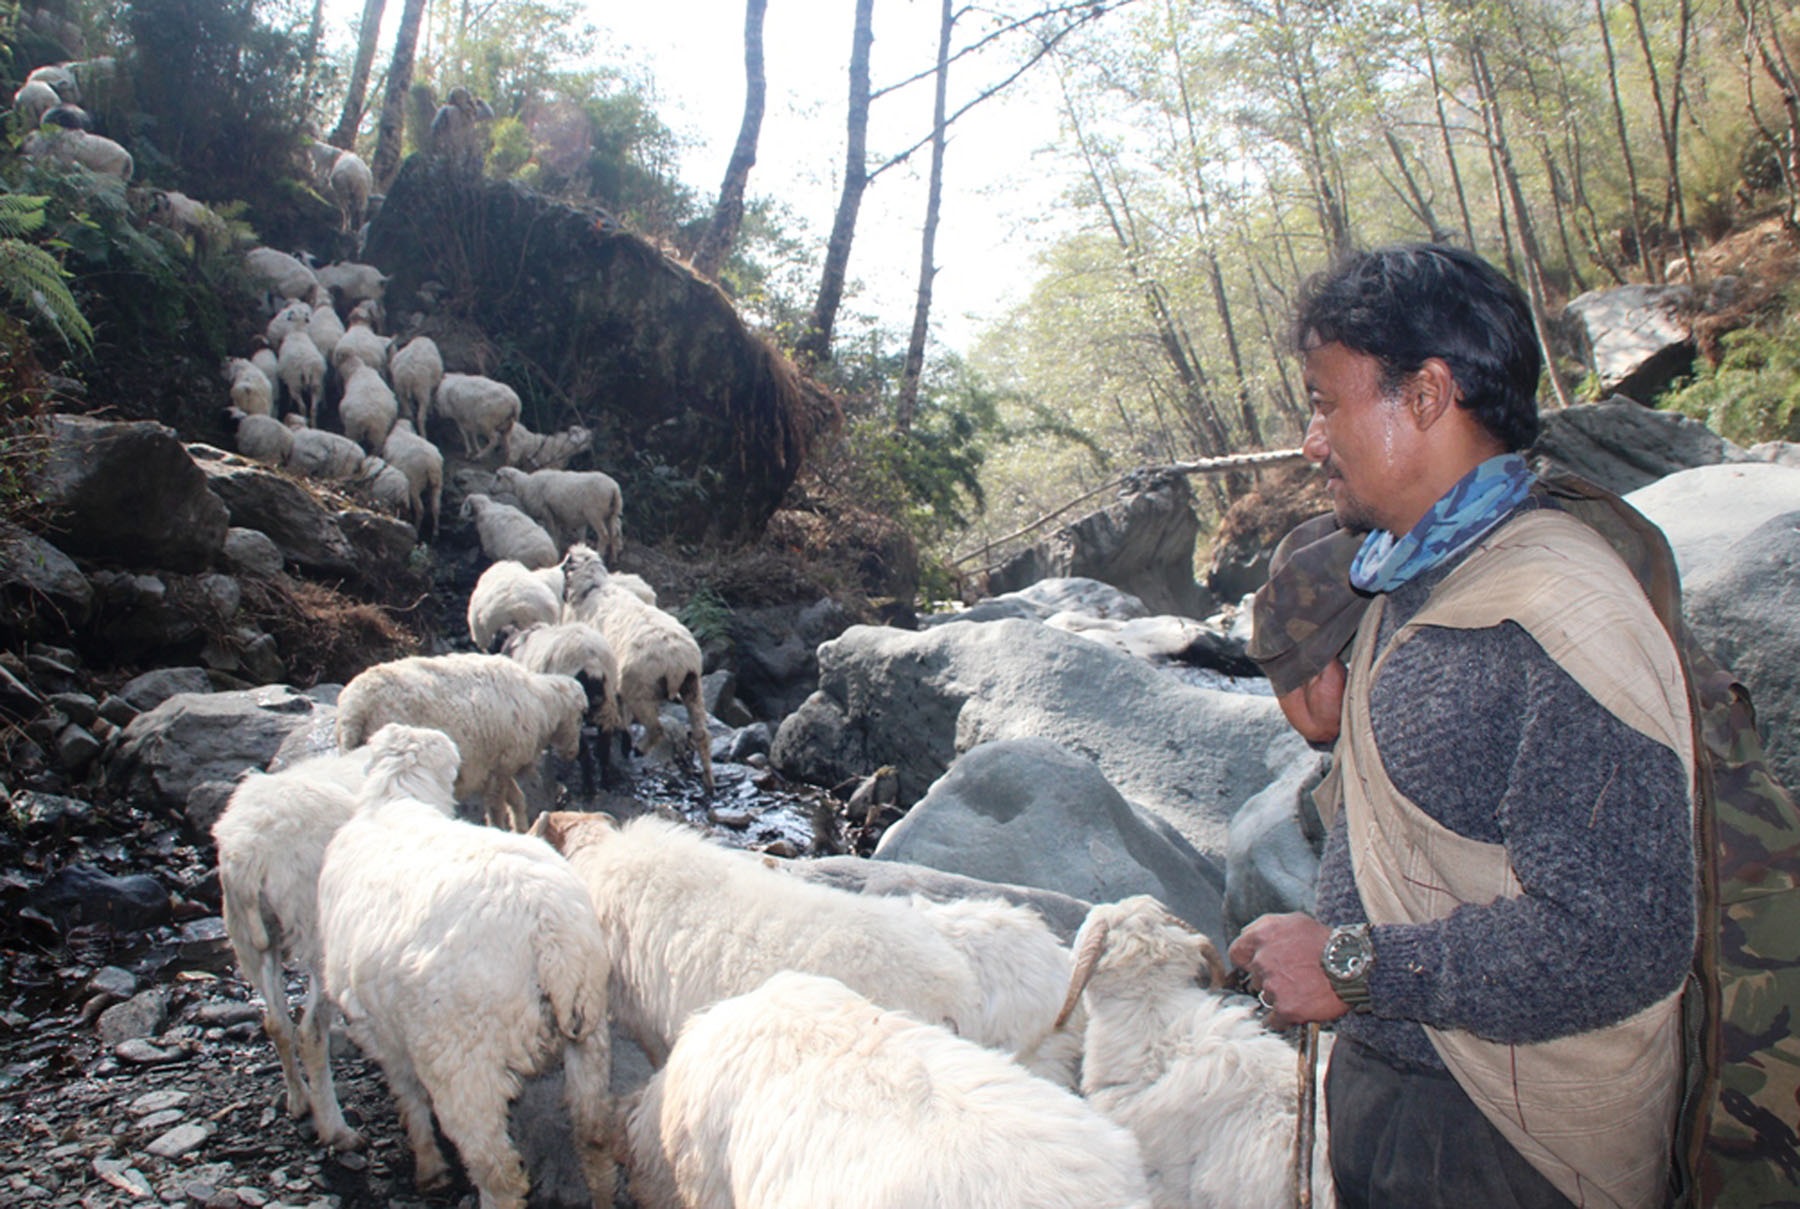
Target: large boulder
{"points": [[257, 498], [1636, 339], [704, 422], [864, 875], [1028, 812], [776, 651], [43, 594], [127, 493], [1275, 842], [1046, 598], [188, 752], [915, 700], [1705, 511], [1142, 543], [1621, 445]]}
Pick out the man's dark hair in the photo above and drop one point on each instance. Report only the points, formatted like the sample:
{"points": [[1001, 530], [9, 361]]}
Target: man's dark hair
{"points": [[1407, 303]]}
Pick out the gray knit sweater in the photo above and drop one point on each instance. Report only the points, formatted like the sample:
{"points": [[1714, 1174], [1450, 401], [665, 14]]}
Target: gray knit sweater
{"points": [[1485, 733]]}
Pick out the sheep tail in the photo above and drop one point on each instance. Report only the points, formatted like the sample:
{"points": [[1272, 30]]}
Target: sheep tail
{"points": [[1090, 944], [572, 970], [597, 1125]]}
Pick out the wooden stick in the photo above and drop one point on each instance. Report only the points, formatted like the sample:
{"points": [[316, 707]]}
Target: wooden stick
{"points": [[1305, 1125]]}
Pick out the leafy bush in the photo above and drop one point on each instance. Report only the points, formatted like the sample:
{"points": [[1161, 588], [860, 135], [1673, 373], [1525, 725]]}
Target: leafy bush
{"points": [[1753, 394]]}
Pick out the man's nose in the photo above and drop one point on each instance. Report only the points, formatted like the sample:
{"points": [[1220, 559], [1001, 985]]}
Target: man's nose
{"points": [[1315, 446]]}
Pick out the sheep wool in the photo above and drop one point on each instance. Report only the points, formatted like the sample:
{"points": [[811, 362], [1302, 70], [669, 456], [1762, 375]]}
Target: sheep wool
{"points": [[423, 466], [482, 409], [368, 408], [765, 1093], [510, 596], [466, 959], [569, 504], [530, 451], [416, 370], [302, 369], [500, 716]]}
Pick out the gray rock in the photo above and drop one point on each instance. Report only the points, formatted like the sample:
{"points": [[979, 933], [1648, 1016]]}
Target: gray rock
{"points": [[150, 690], [76, 748], [317, 736], [304, 531], [382, 543], [1704, 511], [1622, 445], [1029, 813], [141, 616], [252, 553], [81, 894], [40, 812], [751, 740], [195, 738], [143, 1015], [79, 708], [1070, 595], [776, 654], [181, 1140], [1635, 339], [1190, 756], [160, 1100], [863, 876], [112, 981], [1143, 544], [44, 592], [1274, 845], [1782, 453], [127, 492]]}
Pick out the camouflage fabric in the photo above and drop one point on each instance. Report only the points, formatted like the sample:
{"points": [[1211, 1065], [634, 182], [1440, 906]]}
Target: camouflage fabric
{"points": [[1741, 1111]]}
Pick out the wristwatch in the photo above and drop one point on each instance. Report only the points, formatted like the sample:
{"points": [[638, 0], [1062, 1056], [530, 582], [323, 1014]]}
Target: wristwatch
{"points": [[1347, 959]]}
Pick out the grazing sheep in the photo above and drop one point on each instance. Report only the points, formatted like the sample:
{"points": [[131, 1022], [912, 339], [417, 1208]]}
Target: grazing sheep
{"points": [[325, 329], [658, 659], [368, 408], [32, 101], [767, 1095], [302, 369], [350, 182], [690, 922], [569, 503], [262, 438], [1209, 1092], [265, 360], [466, 960], [385, 484], [530, 451], [292, 317], [507, 533], [417, 369], [251, 390], [360, 343], [178, 212], [271, 842], [510, 596], [482, 409], [94, 152], [286, 276], [59, 79], [322, 455], [423, 466], [500, 715], [370, 312], [578, 650], [354, 283]]}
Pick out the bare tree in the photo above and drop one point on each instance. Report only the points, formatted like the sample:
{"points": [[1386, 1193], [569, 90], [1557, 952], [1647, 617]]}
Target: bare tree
{"points": [[1651, 270], [914, 366], [728, 214], [1668, 117], [389, 132], [345, 133], [814, 345]]}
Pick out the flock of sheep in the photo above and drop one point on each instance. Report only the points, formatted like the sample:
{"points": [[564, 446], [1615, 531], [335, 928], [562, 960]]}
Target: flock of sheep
{"points": [[814, 1046]]}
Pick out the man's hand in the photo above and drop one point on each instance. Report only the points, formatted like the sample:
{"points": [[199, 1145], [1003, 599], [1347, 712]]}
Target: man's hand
{"points": [[1315, 708], [1281, 953]]}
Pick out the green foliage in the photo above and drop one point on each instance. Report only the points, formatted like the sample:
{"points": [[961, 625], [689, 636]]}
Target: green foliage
{"points": [[1753, 394], [32, 278], [706, 615]]}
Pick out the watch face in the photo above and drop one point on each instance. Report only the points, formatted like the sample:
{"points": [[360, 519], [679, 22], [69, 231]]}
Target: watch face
{"points": [[1346, 955]]}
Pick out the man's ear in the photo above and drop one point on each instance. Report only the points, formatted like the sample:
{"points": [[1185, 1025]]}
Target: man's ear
{"points": [[1432, 392]]}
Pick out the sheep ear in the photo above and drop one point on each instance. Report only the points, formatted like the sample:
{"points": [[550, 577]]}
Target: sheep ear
{"points": [[1217, 972], [550, 828], [1090, 944]]}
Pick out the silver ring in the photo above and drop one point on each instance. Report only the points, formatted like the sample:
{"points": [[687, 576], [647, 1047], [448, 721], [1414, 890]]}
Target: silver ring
{"points": [[1263, 998]]}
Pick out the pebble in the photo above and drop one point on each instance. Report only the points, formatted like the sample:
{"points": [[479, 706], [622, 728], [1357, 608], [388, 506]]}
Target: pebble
{"points": [[142, 1015], [111, 980], [182, 1139], [123, 1176], [253, 1197], [157, 1101], [156, 1122], [222, 1013], [140, 1052]]}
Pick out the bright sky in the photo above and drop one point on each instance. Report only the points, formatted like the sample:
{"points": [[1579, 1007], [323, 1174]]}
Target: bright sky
{"points": [[998, 195]]}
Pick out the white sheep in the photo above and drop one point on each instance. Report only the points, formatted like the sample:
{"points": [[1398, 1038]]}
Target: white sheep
{"points": [[507, 533], [569, 503], [1209, 1093], [262, 438], [251, 390], [325, 328], [482, 409], [350, 182], [318, 454], [33, 99], [353, 282], [292, 317], [96, 153], [510, 596], [286, 276], [766, 1095], [302, 369], [59, 79], [271, 842], [658, 659], [466, 960], [368, 408], [578, 650], [360, 343], [371, 312], [188, 218], [417, 368], [265, 360], [530, 451], [423, 466], [500, 715], [689, 922], [385, 484], [637, 585]]}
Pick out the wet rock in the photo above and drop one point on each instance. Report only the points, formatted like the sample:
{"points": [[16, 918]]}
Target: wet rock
{"points": [[111, 980], [143, 1015], [81, 894], [182, 1140], [37, 813], [751, 740], [76, 748], [157, 1101]]}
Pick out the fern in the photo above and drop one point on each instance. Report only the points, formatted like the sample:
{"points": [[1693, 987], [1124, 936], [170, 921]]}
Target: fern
{"points": [[20, 214], [31, 277]]}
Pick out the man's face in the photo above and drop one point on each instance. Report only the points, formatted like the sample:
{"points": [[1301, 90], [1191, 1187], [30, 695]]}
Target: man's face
{"points": [[1356, 436]]}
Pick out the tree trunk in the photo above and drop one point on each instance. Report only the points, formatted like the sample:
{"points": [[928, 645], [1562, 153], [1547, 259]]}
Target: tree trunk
{"points": [[1668, 118], [345, 134], [1443, 118], [1762, 38], [1651, 269], [814, 345], [728, 214], [389, 133], [914, 366], [310, 53]]}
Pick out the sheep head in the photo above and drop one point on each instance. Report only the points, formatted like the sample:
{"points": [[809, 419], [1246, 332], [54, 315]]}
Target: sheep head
{"points": [[412, 762], [1139, 936], [569, 831]]}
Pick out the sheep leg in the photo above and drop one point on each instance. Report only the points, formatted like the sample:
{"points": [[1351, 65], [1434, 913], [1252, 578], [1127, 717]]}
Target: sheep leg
{"points": [[587, 1069], [472, 1110], [492, 441], [265, 975], [315, 1052], [696, 711], [431, 1170], [521, 812]]}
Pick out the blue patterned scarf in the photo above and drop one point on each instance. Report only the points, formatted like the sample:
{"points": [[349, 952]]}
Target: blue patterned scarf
{"points": [[1462, 517]]}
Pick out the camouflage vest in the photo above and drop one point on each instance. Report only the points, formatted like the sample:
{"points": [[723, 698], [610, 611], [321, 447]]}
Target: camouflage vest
{"points": [[1738, 1145]]}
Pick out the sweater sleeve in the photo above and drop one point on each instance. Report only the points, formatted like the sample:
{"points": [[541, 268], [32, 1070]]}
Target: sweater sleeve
{"points": [[1487, 734]]}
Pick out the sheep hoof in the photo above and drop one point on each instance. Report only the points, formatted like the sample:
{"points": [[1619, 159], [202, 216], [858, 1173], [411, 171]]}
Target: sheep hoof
{"points": [[345, 1140]]}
